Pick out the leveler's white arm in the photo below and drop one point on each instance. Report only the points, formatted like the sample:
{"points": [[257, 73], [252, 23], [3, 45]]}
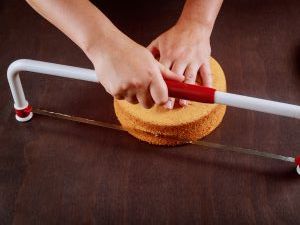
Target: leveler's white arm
{"points": [[256, 104], [176, 89], [20, 102]]}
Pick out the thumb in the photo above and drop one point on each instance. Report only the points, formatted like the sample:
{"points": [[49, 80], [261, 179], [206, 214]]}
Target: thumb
{"points": [[168, 74]]}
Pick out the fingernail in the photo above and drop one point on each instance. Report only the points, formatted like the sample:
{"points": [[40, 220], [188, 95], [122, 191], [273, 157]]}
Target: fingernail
{"points": [[183, 102], [168, 105], [209, 82]]}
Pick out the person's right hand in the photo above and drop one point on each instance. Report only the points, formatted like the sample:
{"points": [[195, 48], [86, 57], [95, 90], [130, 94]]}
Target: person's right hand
{"points": [[129, 71]]}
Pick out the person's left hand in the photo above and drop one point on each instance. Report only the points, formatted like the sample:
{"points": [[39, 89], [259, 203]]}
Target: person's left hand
{"points": [[185, 49]]}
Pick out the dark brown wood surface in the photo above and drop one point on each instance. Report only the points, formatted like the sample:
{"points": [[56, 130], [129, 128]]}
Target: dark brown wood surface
{"points": [[60, 172]]}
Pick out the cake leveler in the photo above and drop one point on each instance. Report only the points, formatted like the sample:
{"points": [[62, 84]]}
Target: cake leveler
{"points": [[176, 89]]}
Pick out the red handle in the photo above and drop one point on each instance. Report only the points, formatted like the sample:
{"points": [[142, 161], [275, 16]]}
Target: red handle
{"points": [[190, 92]]}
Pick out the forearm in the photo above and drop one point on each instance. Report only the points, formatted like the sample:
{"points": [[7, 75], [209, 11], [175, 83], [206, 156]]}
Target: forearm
{"points": [[80, 20], [124, 68], [200, 12]]}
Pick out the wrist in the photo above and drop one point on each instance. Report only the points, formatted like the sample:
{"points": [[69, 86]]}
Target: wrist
{"points": [[108, 45], [194, 26], [103, 44], [204, 25], [96, 42]]}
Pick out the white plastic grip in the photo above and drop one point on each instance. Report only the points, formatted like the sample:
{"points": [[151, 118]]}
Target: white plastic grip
{"points": [[20, 103], [256, 104]]}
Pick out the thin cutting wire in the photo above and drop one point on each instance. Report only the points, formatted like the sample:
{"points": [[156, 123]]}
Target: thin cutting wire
{"points": [[246, 151]]}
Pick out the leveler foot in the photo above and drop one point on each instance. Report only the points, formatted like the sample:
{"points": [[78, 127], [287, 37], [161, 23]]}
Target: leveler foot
{"points": [[24, 115]]}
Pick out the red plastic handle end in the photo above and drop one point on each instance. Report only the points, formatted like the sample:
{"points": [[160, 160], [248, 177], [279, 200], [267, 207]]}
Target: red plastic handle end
{"points": [[297, 160], [190, 92]]}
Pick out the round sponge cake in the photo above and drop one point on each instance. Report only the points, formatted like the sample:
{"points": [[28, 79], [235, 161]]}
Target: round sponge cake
{"points": [[180, 125]]}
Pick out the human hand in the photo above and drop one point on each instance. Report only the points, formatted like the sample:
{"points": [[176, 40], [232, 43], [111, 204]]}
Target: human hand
{"points": [[129, 71], [185, 49]]}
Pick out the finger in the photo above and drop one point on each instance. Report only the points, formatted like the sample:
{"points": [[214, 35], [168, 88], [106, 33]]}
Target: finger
{"points": [[168, 74], [131, 99], [171, 75], [166, 62], [170, 103], [119, 97], [158, 89], [190, 73], [109, 89], [179, 68], [145, 99], [153, 48], [190, 76], [206, 75]]}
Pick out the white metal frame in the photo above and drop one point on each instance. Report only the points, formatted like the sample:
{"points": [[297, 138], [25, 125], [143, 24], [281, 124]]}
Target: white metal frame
{"points": [[20, 102], [35, 66], [53, 69]]}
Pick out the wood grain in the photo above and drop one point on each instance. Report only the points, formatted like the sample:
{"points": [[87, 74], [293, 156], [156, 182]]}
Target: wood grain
{"points": [[60, 172]]}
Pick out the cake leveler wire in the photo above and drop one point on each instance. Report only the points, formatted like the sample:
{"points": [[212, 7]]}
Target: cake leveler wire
{"points": [[241, 150], [176, 89]]}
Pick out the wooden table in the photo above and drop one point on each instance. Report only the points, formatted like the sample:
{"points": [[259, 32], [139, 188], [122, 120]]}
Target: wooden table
{"points": [[60, 172]]}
